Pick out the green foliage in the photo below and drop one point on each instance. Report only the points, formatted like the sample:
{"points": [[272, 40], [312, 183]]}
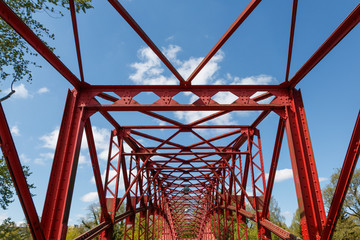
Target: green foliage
{"points": [[8, 228], [15, 53], [295, 227], [93, 219], [74, 231], [7, 186], [348, 224], [276, 217], [9, 231], [252, 233]]}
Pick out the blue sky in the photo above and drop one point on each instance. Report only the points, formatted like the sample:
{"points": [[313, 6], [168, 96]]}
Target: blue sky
{"points": [[185, 31]]}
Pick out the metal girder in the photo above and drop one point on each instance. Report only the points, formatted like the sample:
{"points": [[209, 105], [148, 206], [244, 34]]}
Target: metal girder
{"points": [[18, 178], [96, 169], [273, 167], [245, 13], [284, 234], [59, 194], [341, 31], [307, 185], [291, 38], [175, 189], [76, 38], [347, 171], [116, 4], [19, 26]]}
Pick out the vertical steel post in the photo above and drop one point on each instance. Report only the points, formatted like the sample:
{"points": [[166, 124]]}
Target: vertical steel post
{"points": [[62, 178], [258, 180], [307, 185], [273, 167], [240, 220]]}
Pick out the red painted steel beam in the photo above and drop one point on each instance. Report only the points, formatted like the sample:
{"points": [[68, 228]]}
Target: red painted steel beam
{"points": [[96, 169], [208, 118], [102, 226], [245, 13], [76, 36], [266, 223], [181, 153], [291, 38], [18, 178], [278, 230], [173, 88], [162, 118], [273, 167], [341, 31], [62, 178], [347, 171], [144, 135], [20, 27], [185, 126], [185, 107], [260, 118], [304, 169], [120, 9]]}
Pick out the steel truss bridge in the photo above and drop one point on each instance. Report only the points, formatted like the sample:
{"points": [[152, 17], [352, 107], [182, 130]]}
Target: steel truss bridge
{"points": [[175, 190]]}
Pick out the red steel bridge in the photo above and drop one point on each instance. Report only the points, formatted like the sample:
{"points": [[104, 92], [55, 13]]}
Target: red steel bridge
{"points": [[177, 190]]}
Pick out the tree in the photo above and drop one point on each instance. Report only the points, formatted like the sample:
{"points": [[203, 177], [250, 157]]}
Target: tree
{"points": [[348, 224], [7, 186], [276, 217], [9, 230], [15, 53], [91, 220], [295, 227], [275, 213]]}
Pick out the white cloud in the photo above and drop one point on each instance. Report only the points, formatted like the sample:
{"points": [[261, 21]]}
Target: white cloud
{"points": [[20, 91], [282, 175], [323, 179], [150, 71], [171, 53], [83, 160], [43, 90], [192, 116], [43, 158], [261, 79], [90, 197], [172, 37], [112, 173], [50, 140], [24, 158], [224, 97], [207, 74], [101, 137], [15, 130]]}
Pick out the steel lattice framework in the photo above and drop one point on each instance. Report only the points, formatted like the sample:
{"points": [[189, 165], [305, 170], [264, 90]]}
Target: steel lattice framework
{"points": [[174, 190]]}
